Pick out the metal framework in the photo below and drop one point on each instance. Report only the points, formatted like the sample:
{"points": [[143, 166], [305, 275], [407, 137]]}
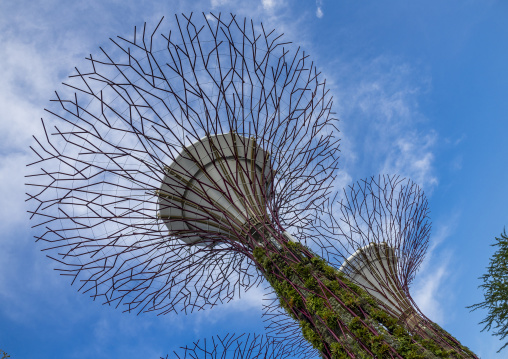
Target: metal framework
{"points": [[126, 119], [379, 239], [243, 346], [174, 168]]}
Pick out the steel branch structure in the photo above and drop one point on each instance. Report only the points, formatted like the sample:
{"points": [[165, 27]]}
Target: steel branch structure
{"points": [[174, 169], [97, 183], [378, 235], [241, 346]]}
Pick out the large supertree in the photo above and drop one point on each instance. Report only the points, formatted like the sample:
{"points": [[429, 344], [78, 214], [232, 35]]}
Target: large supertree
{"points": [[190, 163]]}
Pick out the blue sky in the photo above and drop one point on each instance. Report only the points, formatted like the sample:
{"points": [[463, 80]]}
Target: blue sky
{"points": [[420, 88]]}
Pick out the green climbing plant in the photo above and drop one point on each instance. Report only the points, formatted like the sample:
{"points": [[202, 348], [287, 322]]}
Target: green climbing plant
{"points": [[337, 308]]}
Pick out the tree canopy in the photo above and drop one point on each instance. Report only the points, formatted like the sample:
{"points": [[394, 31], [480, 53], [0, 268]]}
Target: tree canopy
{"points": [[495, 291]]}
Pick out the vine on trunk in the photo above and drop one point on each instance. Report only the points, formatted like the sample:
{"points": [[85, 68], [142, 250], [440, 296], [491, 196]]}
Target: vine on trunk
{"points": [[339, 318]]}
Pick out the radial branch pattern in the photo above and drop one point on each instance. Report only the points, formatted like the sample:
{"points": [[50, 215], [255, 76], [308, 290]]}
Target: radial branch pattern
{"points": [[115, 133]]}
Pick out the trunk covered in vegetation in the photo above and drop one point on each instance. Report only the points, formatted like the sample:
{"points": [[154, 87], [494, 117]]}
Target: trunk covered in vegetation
{"points": [[339, 318]]}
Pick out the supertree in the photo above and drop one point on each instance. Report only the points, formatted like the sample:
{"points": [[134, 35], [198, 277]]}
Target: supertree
{"points": [[188, 164]]}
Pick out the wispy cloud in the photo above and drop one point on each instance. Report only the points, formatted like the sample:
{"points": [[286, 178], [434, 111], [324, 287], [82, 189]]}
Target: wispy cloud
{"points": [[248, 305], [411, 155], [30, 74], [257, 10], [217, 3], [268, 4], [319, 8], [429, 292], [384, 130], [431, 289]]}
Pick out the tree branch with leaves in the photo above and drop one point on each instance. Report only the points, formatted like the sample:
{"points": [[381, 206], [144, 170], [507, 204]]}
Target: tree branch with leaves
{"points": [[495, 291]]}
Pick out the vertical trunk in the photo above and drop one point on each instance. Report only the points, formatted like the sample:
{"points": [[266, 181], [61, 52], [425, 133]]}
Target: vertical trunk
{"points": [[339, 318]]}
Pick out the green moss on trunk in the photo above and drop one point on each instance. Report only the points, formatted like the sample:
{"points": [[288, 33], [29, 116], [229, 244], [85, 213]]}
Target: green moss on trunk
{"points": [[339, 318]]}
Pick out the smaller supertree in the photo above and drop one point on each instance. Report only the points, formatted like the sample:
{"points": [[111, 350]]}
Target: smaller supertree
{"points": [[495, 291], [377, 237]]}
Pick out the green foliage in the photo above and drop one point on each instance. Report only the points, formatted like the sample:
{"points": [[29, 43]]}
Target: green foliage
{"points": [[312, 284], [314, 303], [338, 351], [495, 291], [4, 354], [451, 340], [357, 328], [260, 255], [312, 337], [357, 309], [379, 347]]}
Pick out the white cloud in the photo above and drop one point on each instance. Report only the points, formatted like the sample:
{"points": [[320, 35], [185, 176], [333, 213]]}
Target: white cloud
{"points": [[319, 8], [210, 17], [343, 180], [250, 9], [431, 288], [268, 4], [248, 305], [216, 3], [430, 291], [383, 129], [12, 191], [30, 75], [411, 155]]}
